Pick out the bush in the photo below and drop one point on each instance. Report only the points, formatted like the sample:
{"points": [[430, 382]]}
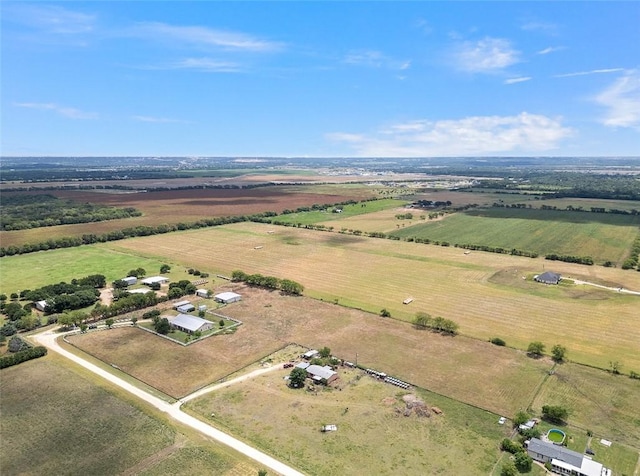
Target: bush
{"points": [[510, 446], [498, 341], [22, 356]]}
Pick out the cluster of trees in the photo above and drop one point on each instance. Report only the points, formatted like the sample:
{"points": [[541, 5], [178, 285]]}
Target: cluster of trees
{"points": [[588, 260], [126, 303], [68, 296], [20, 212], [161, 325], [181, 288], [287, 286], [437, 324], [197, 272], [432, 203], [555, 413], [521, 460], [405, 216]]}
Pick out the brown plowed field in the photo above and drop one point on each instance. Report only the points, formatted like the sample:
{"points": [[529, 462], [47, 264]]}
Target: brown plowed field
{"points": [[170, 207]]}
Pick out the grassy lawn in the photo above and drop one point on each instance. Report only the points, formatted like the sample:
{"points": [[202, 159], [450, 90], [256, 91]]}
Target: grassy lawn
{"points": [[601, 236], [483, 292], [373, 436], [56, 422], [608, 405]]}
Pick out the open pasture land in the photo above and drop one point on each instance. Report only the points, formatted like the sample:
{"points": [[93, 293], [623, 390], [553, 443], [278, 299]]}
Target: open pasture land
{"points": [[608, 405], [373, 436], [176, 206], [34, 270], [587, 203], [450, 366], [604, 237], [373, 274], [348, 211], [56, 422]]}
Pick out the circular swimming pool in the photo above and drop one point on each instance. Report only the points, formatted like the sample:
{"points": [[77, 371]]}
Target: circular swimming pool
{"points": [[556, 436]]}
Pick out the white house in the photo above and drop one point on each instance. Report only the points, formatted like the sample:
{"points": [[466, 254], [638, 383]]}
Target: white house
{"points": [[190, 324], [155, 279], [41, 305], [227, 297]]}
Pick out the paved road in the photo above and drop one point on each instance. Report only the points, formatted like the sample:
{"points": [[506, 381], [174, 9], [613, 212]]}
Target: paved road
{"points": [[48, 339]]}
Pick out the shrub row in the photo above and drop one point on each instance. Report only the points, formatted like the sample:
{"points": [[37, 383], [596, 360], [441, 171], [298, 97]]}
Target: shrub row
{"points": [[22, 356], [268, 282]]}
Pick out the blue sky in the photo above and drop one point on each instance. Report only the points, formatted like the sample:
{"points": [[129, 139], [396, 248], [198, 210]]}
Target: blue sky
{"points": [[401, 79]]}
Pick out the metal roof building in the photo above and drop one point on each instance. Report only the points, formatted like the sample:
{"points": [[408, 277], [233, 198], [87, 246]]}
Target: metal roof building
{"points": [[227, 297], [190, 324], [563, 460]]}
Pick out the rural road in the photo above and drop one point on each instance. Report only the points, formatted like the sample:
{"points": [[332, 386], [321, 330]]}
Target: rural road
{"points": [[48, 339]]}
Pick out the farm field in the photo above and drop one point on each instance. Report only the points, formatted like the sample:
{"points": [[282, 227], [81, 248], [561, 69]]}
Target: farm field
{"points": [[171, 207], [449, 366], [608, 405], [604, 237], [348, 211], [373, 436], [56, 422], [483, 292]]}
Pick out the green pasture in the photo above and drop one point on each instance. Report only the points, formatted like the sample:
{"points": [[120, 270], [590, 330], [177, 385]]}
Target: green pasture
{"points": [[373, 436], [56, 422], [317, 216], [604, 237], [606, 404]]}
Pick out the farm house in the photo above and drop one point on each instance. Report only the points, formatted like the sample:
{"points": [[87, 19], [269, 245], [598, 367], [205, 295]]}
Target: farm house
{"points": [[228, 297], [563, 460], [190, 324], [548, 278], [319, 374]]}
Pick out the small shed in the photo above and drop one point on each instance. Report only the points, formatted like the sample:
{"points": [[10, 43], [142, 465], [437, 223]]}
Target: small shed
{"points": [[186, 308], [548, 278], [178, 304], [203, 293], [310, 354], [41, 305], [130, 280], [228, 297]]}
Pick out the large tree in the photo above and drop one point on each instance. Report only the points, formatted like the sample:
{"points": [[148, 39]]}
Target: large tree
{"points": [[555, 413], [535, 349], [558, 352], [297, 377]]}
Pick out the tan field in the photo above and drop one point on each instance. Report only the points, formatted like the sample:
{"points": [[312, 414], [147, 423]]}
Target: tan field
{"points": [[484, 293]]}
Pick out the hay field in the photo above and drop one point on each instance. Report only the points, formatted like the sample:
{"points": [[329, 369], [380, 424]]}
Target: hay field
{"points": [[56, 422], [607, 404], [171, 207], [601, 236], [372, 274], [450, 366], [372, 437]]}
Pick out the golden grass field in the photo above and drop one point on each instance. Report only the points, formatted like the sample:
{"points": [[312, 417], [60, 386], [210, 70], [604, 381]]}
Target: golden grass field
{"points": [[373, 437], [484, 293], [450, 366]]}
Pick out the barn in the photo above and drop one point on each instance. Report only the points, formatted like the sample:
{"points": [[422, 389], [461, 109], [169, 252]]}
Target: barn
{"points": [[130, 280], [227, 298], [155, 279], [190, 324], [203, 293]]}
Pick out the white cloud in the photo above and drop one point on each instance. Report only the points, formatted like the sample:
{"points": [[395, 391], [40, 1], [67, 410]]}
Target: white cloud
{"points": [[593, 71], [65, 111], [51, 18], [517, 80], [550, 49], [471, 136], [375, 59], [622, 99], [205, 37], [204, 64], [485, 56]]}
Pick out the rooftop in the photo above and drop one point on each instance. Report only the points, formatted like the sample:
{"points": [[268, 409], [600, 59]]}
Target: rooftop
{"points": [[190, 323]]}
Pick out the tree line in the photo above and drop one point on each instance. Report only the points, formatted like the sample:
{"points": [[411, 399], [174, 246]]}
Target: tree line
{"points": [[436, 324], [287, 286]]}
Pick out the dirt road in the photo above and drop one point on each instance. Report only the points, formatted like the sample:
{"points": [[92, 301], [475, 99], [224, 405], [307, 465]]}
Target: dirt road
{"points": [[48, 339]]}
